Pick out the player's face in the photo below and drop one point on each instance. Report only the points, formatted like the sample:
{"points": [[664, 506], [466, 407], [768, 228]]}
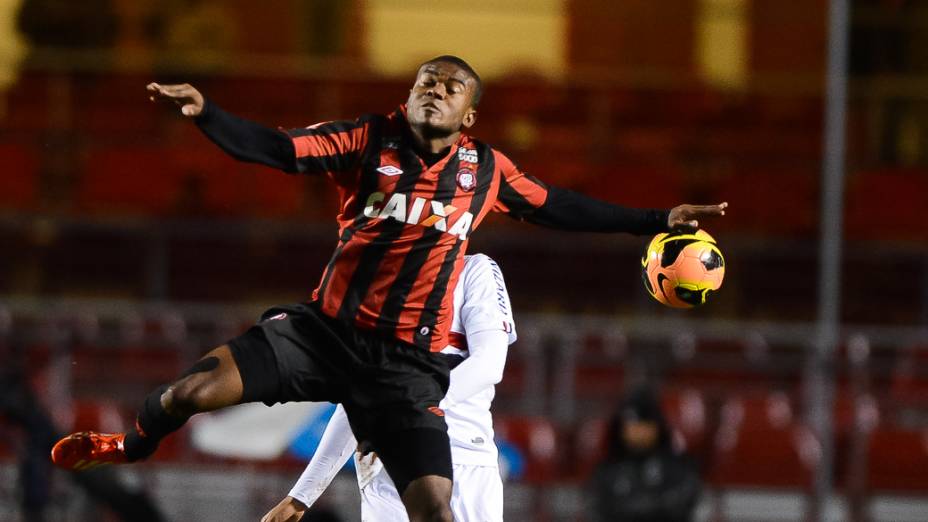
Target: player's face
{"points": [[640, 435], [440, 100]]}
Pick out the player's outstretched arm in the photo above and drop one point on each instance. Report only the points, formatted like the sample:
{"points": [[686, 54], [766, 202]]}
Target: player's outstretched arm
{"points": [[335, 448], [568, 210], [242, 139]]}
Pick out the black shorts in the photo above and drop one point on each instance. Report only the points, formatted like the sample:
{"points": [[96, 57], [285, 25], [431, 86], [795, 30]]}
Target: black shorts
{"points": [[390, 389]]}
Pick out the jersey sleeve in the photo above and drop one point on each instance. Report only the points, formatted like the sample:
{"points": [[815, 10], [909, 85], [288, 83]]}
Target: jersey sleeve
{"points": [[331, 148], [335, 448], [486, 302], [246, 140], [520, 195]]}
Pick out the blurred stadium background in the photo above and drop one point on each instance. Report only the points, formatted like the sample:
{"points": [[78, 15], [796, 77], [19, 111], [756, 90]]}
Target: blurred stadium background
{"points": [[129, 244]]}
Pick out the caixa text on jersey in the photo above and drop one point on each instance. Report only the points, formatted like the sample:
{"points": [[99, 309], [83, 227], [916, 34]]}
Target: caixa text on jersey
{"points": [[424, 212]]}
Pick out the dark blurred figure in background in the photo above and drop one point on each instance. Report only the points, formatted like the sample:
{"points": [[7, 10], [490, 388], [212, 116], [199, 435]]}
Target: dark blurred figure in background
{"points": [[643, 478], [19, 406]]}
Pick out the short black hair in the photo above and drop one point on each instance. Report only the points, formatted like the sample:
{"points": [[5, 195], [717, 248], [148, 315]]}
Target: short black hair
{"points": [[447, 58]]}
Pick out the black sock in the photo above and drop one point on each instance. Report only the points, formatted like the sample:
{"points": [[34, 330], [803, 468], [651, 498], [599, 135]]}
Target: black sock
{"points": [[152, 424]]}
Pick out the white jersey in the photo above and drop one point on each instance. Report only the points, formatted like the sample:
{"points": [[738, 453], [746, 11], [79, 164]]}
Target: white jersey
{"points": [[481, 311], [481, 303]]}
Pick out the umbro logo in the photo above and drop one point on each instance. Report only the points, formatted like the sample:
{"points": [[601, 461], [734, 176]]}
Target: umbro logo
{"points": [[389, 170]]}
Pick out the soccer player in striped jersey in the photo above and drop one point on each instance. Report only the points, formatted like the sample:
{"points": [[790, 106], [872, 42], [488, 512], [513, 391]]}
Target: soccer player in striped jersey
{"points": [[413, 189], [481, 330]]}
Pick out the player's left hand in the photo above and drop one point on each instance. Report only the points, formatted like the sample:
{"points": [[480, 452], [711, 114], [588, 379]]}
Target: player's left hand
{"points": [[688, 216], [190, 101], [288, 510]]}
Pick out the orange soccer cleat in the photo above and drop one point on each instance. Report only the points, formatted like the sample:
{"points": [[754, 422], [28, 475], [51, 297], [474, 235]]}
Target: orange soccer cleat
{"points": [[88, 449]]}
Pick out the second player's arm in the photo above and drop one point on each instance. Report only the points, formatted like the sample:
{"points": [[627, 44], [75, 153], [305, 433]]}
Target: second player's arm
{"points": [[484, 367], [335, 448], [488, 325]]}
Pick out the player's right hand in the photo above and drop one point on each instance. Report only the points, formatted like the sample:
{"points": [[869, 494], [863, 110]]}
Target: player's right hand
{"points": [[687, 216], [288, 510], [184, 95]]}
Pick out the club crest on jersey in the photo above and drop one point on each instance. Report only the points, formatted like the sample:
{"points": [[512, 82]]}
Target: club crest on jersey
{"points": [[467, 155], [389, 170], [467, 180], [419, 211]]}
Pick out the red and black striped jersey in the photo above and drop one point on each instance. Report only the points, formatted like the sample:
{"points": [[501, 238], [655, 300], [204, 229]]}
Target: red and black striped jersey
{"points": [[404, 226]]}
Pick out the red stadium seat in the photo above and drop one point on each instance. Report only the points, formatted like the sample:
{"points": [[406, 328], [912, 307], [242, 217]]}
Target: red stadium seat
{"points": [[709, 364], [756, 206], [537, 438], [600, 372], [721, 367], [183, 182], [765, 458], [131, 181], [685, 411], [19, 182], [589, 448], [125, 371], [657, 185], [28, 102], [113, 105], [513, 384], [910, 377], [887, 204], [97, 416], [758, 445], [217, 185], [898, 460]]}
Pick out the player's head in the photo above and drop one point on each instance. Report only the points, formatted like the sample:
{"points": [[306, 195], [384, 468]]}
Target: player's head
{"points": [[639, 425], [444, 98]]}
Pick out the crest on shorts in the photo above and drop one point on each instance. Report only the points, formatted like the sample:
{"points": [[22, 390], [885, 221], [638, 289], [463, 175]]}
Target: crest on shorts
{"points": [[437, 411], [467, 180], [278, 317]]}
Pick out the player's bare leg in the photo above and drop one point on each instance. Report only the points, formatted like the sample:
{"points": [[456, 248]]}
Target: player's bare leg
{"points": [[428, 499], [212, 383]]}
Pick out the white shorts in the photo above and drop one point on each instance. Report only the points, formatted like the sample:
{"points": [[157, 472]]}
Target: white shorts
{"points": [[477, 496]]}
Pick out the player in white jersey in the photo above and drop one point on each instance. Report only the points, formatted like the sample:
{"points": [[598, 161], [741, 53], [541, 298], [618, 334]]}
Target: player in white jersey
{"points": [[481, 332]]}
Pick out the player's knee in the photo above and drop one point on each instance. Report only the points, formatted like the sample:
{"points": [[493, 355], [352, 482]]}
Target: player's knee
{"points": [[188, 397]]}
